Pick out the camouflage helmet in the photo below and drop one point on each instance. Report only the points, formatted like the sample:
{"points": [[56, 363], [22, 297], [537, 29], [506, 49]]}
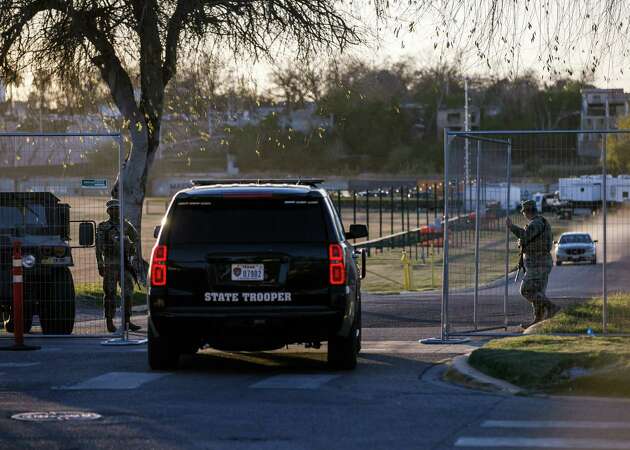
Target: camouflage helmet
{"points": [[528, 205], [111, 204]]}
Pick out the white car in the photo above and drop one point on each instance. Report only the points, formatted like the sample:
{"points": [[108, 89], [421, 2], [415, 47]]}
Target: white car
{"points": [[575, 247]]}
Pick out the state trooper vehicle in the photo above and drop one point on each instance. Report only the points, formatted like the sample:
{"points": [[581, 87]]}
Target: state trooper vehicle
{"points": [[246, 265], [42, 225]]}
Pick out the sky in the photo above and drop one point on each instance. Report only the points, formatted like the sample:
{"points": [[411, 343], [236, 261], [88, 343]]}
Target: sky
{"points": [[554, 38], [560, 39]]}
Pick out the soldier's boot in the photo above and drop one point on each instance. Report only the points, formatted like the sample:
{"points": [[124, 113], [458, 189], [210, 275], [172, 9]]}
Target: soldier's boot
{"points": [[539, 312], [551, 309], [110, 325], [130, 325]]}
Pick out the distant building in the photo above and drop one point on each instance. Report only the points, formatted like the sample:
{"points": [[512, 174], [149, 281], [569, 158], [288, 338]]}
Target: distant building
{"points": [[601, 109], [415, 111], [303, 120], [453, 119]]}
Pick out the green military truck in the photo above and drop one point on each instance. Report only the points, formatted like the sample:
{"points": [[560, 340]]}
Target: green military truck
{"points": [[42, 225]]}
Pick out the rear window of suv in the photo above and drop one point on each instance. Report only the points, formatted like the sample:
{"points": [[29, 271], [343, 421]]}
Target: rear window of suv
{"points": [[253, 220]]}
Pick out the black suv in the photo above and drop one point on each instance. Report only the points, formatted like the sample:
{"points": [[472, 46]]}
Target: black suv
{"points": [[254, 266]]}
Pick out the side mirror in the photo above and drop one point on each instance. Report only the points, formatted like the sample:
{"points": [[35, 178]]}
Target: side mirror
{"points": [[86, 234], [595, 241], [357, 232], [156, 231], [555, 242]]}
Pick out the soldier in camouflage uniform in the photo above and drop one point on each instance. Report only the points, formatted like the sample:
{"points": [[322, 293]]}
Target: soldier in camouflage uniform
{"points": [[536, 242], [108, 260]]}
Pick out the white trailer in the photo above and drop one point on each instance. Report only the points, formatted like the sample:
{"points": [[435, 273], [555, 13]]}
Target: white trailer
{"points": [[495, 193], [584, 189], [587, 191]]}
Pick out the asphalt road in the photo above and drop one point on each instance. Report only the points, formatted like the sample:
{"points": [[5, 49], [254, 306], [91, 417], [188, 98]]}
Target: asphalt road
{"points": [[282, 400]]}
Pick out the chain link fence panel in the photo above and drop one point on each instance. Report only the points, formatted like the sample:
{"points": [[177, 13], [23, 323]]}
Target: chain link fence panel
{"points": [[487, 176], [53, 190]]}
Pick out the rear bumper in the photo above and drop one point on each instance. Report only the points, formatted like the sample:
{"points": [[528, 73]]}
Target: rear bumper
{"points": [[248, 328]]}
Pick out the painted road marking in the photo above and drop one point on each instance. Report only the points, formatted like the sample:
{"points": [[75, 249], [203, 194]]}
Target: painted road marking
{"points": [[524, 442], [594, 425], [14, 365], [115, 381], [294, 382]]}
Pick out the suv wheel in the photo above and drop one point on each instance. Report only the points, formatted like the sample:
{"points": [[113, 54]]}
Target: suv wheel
{"points": [[342, 351], [57, 306], [163, 353], [7, 319]]}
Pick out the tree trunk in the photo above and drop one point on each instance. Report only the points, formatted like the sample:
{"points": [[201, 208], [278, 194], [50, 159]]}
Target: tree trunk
{"points": [[135, 174]]}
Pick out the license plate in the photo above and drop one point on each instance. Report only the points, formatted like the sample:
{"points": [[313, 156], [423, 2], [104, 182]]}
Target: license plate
{"points": [[248, 272]]}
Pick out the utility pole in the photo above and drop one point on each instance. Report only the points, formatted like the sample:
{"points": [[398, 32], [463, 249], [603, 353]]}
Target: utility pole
{"points": [[466, 155]]}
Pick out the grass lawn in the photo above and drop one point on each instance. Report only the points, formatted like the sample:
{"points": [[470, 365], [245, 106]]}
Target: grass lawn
{"points": [[579, 317], [385, 270], [584, 365], [91, 295]]}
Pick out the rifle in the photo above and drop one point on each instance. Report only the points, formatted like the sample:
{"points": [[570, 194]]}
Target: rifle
{"points": [[132, 270], [521, 265]]}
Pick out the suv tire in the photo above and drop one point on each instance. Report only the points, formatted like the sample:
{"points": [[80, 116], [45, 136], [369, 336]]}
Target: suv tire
{"points": [[57, 307], [7, 319], [342, 351], [163, 353]]}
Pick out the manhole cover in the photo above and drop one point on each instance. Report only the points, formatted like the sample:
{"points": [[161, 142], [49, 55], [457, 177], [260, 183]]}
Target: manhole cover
{"points": [[56, 416]]}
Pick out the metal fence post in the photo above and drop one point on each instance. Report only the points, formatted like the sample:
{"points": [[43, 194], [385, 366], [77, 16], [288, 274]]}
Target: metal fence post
{"points": [[402, 208], [507, 233], [367, 211], [124, 339], [604, 237], [417, 207], [445, 289], [391, 209], [380, 213], [435, 202], [407, 210], [121, 233], [426, 203], [477, 229]]}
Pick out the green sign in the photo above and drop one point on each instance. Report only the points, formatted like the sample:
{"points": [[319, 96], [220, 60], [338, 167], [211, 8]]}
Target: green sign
{"points": [[94, 184]]}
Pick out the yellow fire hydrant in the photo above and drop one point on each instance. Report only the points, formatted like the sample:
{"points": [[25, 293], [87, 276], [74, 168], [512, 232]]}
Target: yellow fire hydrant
{"points": [[406, 270]]}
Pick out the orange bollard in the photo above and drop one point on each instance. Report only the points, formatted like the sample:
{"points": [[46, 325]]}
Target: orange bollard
{"points": [[18, 301], [18, 294]]}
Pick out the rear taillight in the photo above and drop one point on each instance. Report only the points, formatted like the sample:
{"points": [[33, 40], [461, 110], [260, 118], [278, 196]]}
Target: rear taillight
{"points": [[158, 266], [337, 267]]}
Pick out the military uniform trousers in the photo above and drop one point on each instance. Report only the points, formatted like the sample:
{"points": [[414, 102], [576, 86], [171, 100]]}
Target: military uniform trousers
{"points": [[535, 281], [111, 280]]}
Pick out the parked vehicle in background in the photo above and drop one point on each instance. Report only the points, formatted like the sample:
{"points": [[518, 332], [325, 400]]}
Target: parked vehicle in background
{"points": [[41, 223]]}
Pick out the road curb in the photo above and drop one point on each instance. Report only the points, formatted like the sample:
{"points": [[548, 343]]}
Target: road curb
{"points": [[460, 364]]}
